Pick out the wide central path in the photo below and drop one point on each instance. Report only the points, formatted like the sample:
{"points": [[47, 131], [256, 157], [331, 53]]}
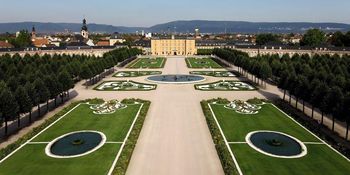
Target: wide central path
{"points": [[175, 138]]}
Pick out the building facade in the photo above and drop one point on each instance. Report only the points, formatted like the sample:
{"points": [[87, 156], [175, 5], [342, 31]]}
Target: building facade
{"points": [[173, 46]]}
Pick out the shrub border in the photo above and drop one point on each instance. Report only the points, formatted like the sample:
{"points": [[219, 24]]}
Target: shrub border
{"points": [[130, 144], [225, 157]]}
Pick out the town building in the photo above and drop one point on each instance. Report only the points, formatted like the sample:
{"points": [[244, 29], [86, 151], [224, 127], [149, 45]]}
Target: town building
{"points": [[5, 45], [173, 46], [116, 39]]}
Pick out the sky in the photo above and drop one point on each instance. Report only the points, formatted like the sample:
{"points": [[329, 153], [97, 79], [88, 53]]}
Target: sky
{"points": [[145, 13]]}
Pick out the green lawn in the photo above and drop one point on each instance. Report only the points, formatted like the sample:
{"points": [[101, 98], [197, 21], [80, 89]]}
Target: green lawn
{"points": [[319, 160], [202, 63], [31, 159], [150, 63]]}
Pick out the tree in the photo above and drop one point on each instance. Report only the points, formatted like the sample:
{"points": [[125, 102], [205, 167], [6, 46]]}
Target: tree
{"points": [[33, 95], [66, 81], [338, 39], [313, 37], [265, 71], [54, 87], [86, 74], [9, 106], [22, 40], [346, 109], [265, 38], [24, 102], [42, 91], [333, 102]]}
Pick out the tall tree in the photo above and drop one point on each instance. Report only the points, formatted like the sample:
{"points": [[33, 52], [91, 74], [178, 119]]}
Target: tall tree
{"points": [[43, 92], [24, 102], [66, 81], [9, 106]]}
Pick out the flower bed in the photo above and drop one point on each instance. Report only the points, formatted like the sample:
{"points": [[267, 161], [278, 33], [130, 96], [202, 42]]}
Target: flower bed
{"points": [[107, 107], [243, 107], [124, 86], [226, 86]]}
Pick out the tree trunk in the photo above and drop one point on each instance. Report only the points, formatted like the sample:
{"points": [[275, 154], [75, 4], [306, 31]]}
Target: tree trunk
{"points": [[284, 94], [303, 106], [322, 118], [312, 112], [333, 121], [39, 109], [47, 106], [296, 102], [18, 120], [5, 125], [290, 98], [30, 116], [55, 101], [68, 94], [347, 130]]}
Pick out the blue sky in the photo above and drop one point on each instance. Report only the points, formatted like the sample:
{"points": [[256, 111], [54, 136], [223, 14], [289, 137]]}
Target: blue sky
{"points": [[149, 12]]}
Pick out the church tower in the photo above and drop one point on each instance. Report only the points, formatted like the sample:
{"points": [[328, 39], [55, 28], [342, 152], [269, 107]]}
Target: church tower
{"points": [[84, 30], [33, 34]]}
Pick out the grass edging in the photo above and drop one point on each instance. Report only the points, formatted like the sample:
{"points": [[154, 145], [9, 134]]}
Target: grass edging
{"points": [[125, 157], [10, 148], [225, 158]]}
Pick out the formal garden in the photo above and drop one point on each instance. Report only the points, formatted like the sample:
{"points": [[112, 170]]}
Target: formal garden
{"points": [[125, 85], [226, 85], [122, 74], [200, 63], [263, 140], [147, 63], [214, 73], [84, 139]]}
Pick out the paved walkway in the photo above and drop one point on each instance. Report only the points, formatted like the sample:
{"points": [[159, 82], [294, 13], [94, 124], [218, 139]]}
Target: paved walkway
{"points": [[175, 138]]}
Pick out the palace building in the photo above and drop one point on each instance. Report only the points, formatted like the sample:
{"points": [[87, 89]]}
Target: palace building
{"points": [[173, 46]]}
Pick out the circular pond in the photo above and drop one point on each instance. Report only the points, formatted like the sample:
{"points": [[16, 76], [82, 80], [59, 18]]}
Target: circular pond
{"points": [[75, 144], [276, 144], [176, 79]]}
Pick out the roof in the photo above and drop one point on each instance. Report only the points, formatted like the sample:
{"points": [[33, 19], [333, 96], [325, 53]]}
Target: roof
{"points": [[4, 44], [103, 43], [40, 42]]}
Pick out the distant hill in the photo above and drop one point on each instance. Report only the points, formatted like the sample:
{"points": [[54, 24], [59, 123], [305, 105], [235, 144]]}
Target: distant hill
{"points": [[61, 27], [182, 26]]}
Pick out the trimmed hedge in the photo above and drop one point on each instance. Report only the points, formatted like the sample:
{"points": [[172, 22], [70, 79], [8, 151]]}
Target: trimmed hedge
{"points": [[221, 148], [125, 157], [10, 148]]}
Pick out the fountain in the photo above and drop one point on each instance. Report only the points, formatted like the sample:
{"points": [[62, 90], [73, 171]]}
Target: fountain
{"points": [[176, 79]]}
